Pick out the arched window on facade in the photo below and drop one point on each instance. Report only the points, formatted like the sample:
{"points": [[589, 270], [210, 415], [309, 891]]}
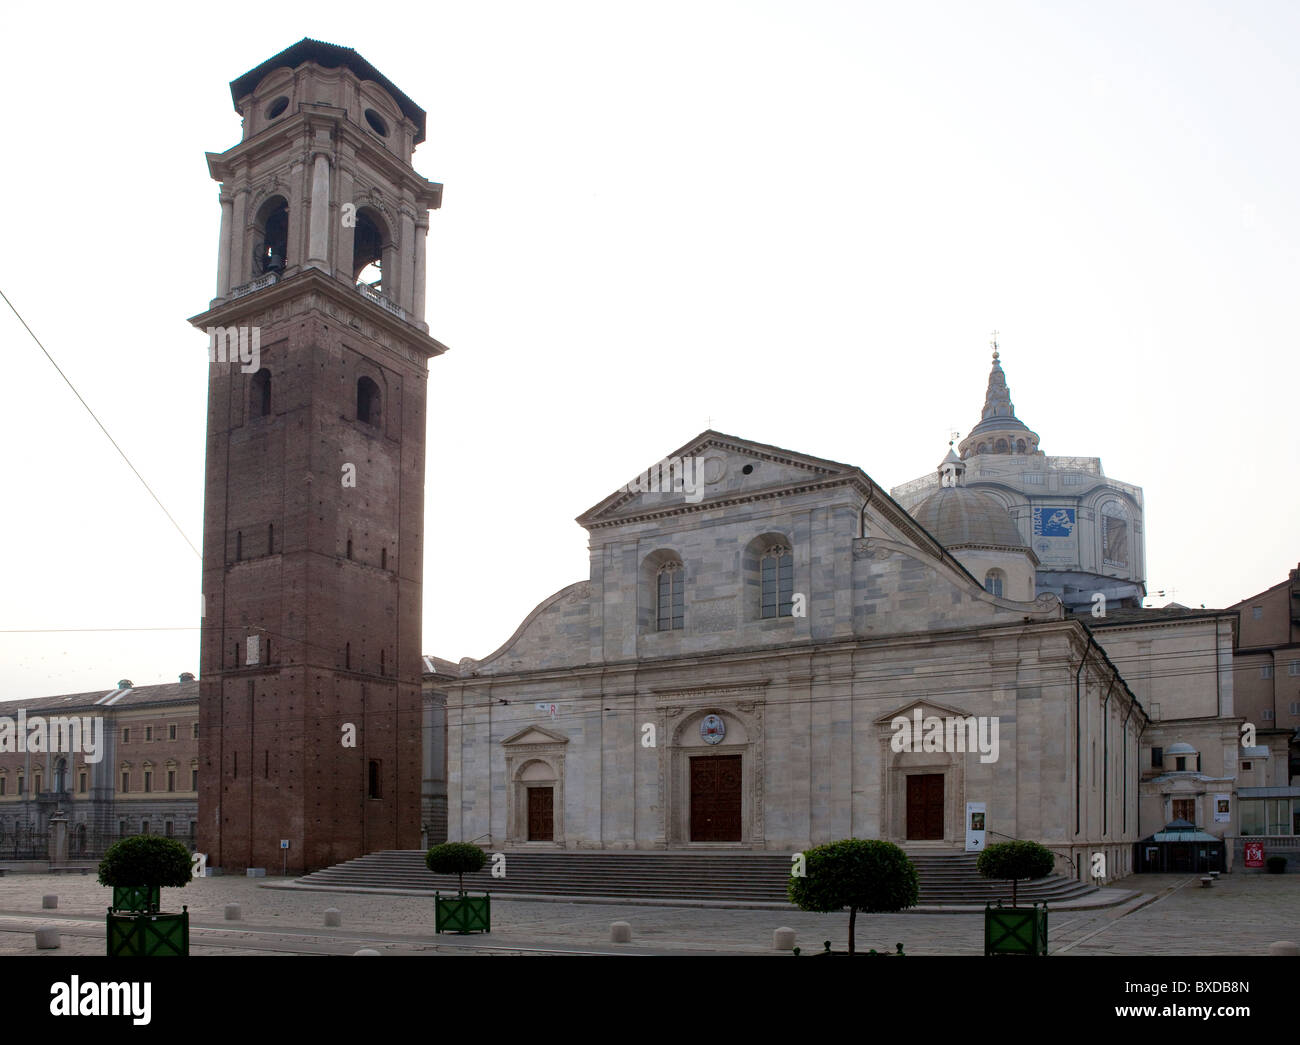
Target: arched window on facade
{"points": [[776, 573], [993, 582], [1020, 446], [1114, 535], [1001, 446], [61, 775], [671, 596]]}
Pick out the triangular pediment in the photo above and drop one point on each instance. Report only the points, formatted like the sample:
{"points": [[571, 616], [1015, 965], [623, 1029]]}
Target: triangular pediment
{"points": [[535, 735], [926, 707], [712, 468]]}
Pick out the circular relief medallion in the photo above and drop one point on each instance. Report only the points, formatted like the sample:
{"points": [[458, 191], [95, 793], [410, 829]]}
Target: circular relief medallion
{"points": [[713, 729]]}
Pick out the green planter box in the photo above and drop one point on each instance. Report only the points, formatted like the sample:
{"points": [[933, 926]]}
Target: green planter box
{"points": [[462, 914], [147, 935], [136, 898], [1015, 930]]}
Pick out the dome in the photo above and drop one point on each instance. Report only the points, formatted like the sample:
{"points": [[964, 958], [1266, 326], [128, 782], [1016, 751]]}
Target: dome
{"points": [[1180, 749], [957, 515]]}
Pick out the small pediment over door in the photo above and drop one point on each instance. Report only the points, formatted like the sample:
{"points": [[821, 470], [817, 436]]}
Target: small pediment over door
{"points": [[530, 735]]}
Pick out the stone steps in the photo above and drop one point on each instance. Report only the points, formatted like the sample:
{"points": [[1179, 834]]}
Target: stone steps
{"points": [[722, 877]]}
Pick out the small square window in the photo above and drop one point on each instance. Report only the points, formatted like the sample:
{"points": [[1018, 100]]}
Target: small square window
{"points": [[1256, 612], [148, 733], [171, 732], [126, 736], [1295, 707], [1293, 668], [1246, 766], [1267, 715], [1266, 671]]}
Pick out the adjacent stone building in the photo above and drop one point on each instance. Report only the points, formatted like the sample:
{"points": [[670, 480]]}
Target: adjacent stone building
{"points": [[1267, 681], [133, 768]]}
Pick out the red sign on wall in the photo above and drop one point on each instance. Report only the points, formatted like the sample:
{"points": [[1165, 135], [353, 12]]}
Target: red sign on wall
{"points": [[1254, 854]]}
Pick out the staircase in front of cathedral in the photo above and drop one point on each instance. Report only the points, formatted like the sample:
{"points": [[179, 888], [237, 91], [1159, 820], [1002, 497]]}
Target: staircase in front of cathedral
{"points": [[722, 879]]}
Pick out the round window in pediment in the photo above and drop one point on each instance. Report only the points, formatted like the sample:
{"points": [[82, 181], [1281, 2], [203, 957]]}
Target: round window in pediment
{"points": [[377, 123], [277, 107]]}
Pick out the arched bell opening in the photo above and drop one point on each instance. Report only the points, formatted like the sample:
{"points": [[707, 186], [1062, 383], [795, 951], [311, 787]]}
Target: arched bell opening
{"points": [[271, 236], [373, 252]]}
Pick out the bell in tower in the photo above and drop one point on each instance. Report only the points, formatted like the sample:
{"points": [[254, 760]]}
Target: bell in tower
{"points": [[310, 703]]}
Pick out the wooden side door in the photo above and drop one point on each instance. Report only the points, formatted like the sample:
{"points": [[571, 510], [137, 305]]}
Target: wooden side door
{"points": [[541, 814], [925, 806]]}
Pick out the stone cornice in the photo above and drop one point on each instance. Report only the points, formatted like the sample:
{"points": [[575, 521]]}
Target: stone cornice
{"points": [[314, 281], [296, 130]]}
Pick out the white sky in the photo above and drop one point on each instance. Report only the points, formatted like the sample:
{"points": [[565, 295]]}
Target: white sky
{"points": [[798, 219]]}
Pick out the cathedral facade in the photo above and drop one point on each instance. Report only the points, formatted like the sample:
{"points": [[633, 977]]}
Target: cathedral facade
{"points": [[774, 655]]}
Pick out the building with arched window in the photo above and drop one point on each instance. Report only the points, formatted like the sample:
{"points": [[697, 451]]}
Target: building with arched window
{"points": [[739, 667], [1084, 527]]}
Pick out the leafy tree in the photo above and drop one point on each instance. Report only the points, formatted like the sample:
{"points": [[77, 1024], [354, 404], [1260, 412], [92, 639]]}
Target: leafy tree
{"points": [[148, 860], [857, 873], [458, 858], [1014, 861]]}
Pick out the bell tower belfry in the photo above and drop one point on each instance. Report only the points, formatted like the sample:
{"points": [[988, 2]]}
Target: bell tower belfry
{"points": [[309, 706]]}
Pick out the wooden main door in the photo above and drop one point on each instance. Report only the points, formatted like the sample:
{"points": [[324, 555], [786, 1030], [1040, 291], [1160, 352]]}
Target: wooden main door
{"points": [[715, 799], [541, 814], [925, 806]]}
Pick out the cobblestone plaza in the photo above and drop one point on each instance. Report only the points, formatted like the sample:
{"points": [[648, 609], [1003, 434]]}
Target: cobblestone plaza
{"points": [[1164, 915]]}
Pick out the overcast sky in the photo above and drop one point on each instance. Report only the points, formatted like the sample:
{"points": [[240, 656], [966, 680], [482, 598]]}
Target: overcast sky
{"points": [[794, 222]]}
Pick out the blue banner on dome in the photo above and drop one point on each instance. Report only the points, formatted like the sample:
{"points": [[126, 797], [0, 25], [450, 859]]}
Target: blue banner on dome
{"points": [[1053, 522]]}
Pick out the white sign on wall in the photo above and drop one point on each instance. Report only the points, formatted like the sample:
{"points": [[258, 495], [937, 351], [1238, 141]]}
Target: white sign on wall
{"points": [[1223, 809], [550, 709], [974, 827]]}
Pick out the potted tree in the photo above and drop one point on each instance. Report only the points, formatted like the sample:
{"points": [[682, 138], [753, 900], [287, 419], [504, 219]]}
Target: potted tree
{"points": [[1015, 929], [137, 869], [461, 913], [857, 873]]}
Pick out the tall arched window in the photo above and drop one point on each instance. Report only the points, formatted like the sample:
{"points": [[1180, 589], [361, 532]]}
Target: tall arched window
{"points": [[259, 400], [271, 236], [368, 402], [61, 775], [1114, 535], [776, 570], [373, 252], [672, 599], [993, 582]]}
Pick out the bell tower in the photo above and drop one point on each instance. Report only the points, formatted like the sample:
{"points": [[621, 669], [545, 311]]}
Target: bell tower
{"points": [[309, 706]]}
